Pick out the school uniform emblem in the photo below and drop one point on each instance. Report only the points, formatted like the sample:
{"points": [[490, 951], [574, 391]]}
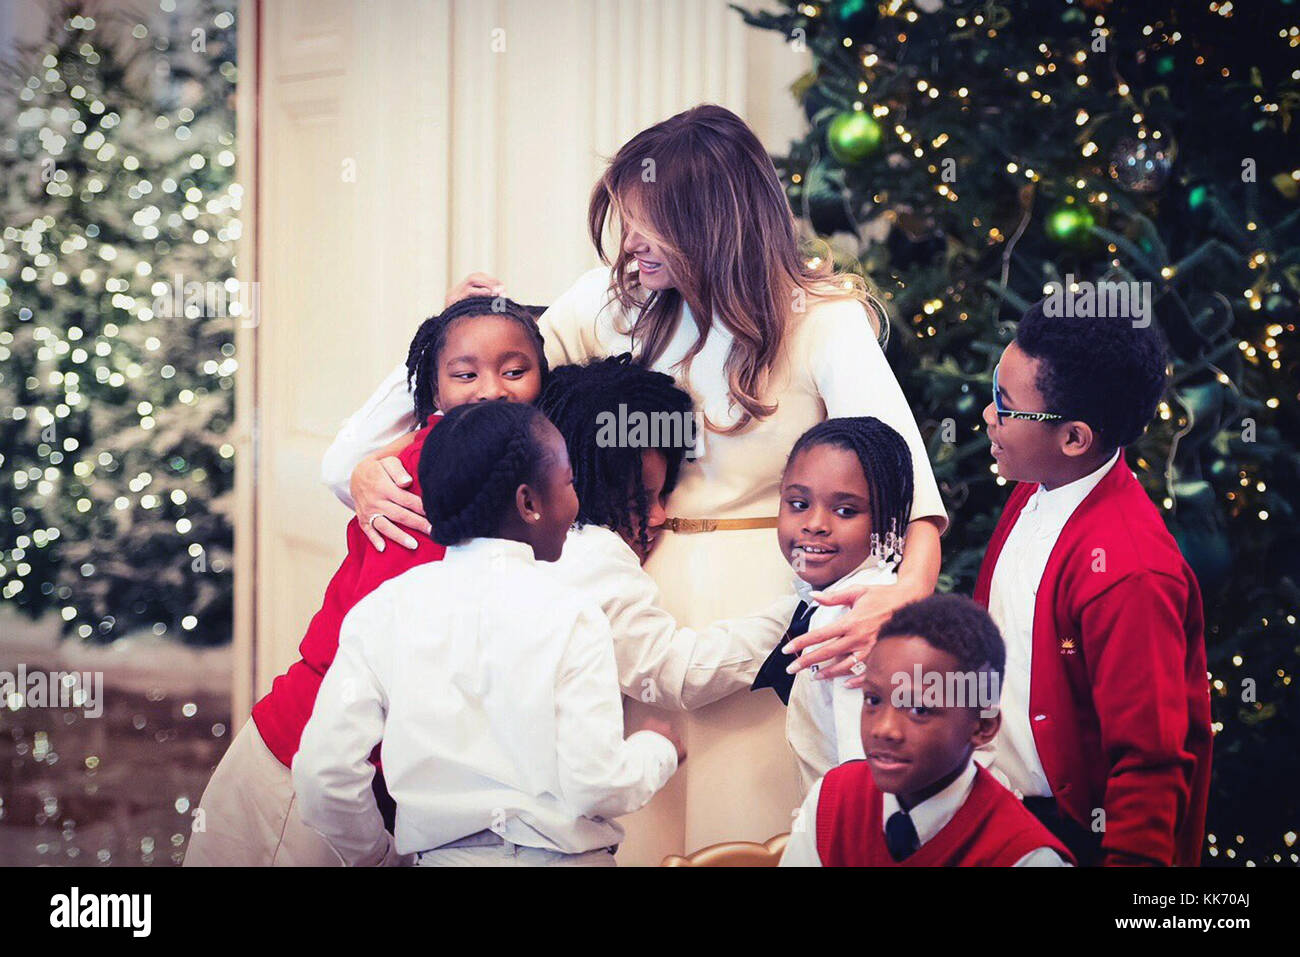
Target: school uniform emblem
{"points": [[1068, 646]]}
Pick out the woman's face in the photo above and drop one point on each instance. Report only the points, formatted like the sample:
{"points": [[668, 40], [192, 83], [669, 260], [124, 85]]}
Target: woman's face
{"points": [[485, 358], [651, 269]]}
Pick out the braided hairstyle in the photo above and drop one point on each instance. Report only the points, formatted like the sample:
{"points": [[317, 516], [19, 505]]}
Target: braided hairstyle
{"points": [[472, 464], [426, 347], [579, 398], [887, 467]]}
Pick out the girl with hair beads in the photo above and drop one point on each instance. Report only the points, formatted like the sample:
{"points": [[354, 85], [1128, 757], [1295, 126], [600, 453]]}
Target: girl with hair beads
{"points": [[491, 685], [845, 498], [476, 350]]}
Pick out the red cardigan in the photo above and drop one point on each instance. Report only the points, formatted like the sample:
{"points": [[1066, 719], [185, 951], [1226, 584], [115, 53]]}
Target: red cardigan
{"points": [[1119, 697], [990, 829], [283, 713]]}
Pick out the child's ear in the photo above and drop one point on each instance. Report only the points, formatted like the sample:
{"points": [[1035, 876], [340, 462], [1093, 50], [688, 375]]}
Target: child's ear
{"points": [[1079, 438], [526, 502], [987, 728]]}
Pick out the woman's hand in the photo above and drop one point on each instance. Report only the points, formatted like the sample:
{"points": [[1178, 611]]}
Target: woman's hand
{"points": [[475, 284], [378, 488], [853, 633]]}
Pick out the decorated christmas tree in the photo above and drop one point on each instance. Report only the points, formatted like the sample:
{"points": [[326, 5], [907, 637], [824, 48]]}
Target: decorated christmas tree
{"points": [[117, 311], [965, 156]]}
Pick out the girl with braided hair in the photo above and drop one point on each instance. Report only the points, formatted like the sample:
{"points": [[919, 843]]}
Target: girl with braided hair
{"points": [[478, 349], [622, 483], [846, 496], [491, 684]]}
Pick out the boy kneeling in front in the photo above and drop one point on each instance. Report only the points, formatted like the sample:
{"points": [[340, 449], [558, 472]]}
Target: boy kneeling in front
{"points": [[930, 693]]}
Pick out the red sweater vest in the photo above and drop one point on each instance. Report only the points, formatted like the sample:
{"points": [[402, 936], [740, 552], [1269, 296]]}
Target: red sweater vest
{"points": [[1119, 699], [990, 829], [283, 713]]}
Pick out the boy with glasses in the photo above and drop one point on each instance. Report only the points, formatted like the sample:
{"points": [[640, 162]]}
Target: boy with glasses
{"points": [[1106, 712]]}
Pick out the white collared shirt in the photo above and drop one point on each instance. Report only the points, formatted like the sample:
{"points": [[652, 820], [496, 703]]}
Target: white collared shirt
{"points": [[823, 722], [929, 818], [495, 692], [659, 662], [1013, 595]]}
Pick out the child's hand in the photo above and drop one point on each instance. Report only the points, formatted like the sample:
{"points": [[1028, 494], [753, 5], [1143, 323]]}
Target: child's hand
{"points": [[475, 284], [661, 727]]}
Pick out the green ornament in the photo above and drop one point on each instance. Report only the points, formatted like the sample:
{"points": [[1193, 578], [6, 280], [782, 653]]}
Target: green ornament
{"points": [[853, 136], [1070, 224], [1196, 197]]}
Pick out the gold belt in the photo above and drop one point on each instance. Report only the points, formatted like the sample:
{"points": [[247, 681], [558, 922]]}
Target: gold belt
{"points": [[690, 525]]}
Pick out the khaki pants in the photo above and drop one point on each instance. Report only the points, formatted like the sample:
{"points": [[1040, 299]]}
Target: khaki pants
{"points": [[248, 815]]}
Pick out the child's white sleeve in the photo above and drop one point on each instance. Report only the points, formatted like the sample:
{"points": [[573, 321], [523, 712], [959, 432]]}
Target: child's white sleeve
{"points": [[332, 772], [601, 774], [388, 414], [659, 662], [801, 850]]}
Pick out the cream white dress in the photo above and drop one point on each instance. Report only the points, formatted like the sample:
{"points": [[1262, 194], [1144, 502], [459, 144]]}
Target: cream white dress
{"points": [[739, 781]]}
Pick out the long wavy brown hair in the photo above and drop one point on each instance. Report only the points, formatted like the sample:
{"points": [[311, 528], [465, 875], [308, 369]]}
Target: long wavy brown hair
{"points": [[700, 186]]}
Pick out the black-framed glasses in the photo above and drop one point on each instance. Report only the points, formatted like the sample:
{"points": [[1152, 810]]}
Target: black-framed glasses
{"points": [[1005, 413]]}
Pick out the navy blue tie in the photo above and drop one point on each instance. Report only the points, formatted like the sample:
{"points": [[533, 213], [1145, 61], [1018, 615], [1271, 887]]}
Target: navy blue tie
{"points": [[773, 674], [900, 836]]}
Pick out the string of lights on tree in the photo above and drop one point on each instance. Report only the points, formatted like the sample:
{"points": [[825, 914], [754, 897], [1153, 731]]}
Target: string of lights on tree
{"points": [[966, 155], [116, 386]]}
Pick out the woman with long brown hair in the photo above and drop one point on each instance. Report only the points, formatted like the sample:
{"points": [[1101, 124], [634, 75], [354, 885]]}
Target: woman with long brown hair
{"points": [[708, 284]]}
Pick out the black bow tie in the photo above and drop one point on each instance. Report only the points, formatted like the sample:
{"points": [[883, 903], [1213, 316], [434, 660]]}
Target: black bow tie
{"points": [[900, 836], [773, 674]]}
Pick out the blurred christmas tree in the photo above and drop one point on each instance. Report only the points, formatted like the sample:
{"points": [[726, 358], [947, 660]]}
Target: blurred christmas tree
{"points": [[116, 323], [963, 155]]}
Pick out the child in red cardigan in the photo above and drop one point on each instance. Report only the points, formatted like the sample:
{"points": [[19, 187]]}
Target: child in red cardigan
{"points": [[929, 696], [1106, 709], [248, 815]]}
